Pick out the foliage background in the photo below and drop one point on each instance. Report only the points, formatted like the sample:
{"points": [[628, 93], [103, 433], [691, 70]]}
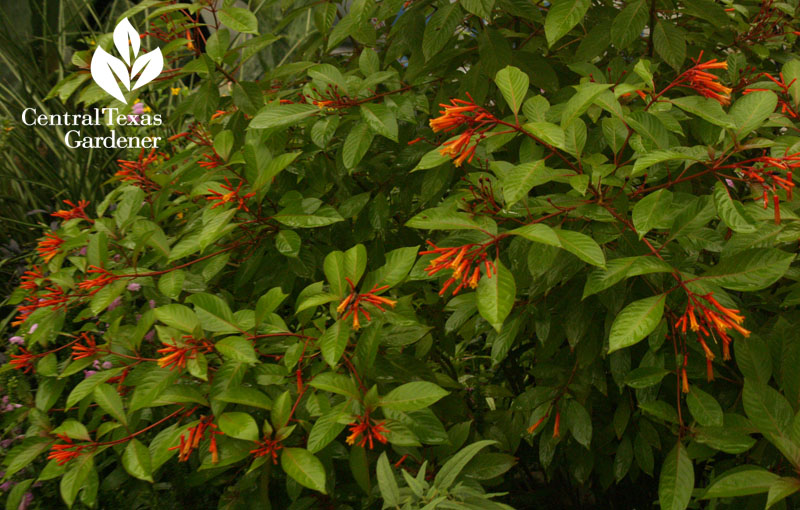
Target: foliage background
{"points": [[610, 200]]}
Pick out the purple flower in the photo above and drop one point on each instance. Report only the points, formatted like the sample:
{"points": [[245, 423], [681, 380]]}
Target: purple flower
{"points": [[150, 335], [152, 303], [133, 119], [107, 364], [8, 408], [16, 340], [26, 501], [96, 364], [88, 373], [133, 287], [138, 109], [4, 400], [83, 251], [117, 257], [730, 183], [6, 485], [5, 443], [114, 304], [33, 329]]}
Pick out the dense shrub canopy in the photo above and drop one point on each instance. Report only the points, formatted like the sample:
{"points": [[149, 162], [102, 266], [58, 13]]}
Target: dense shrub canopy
{"points": [[426, 254]]}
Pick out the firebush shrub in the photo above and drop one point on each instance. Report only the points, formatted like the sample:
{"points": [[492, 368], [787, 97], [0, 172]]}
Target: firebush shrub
{"points": [[459, 255]]}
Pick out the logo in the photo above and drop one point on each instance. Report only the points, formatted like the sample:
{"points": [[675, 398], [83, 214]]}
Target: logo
{"points": [[109, 71]]}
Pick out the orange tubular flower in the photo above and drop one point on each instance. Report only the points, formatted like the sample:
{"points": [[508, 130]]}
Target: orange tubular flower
{"points": [[462, 113], [703, 82], [29, 278], [708, 318], [352, 304], [232, 196], [105, 277], [135, 172], [76, 211], [268, 447], [84, 351], [49, 247], [465, 261], [176, 356], [368, 430], [196, 433], [63, 453], [23, 361]]}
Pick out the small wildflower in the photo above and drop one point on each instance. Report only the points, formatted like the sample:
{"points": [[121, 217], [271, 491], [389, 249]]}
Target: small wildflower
{"points": [[115, 304], [231, 196], [33, 329], [76, 211], [107, 365], [196, 433], [368, 430], [175, 90], [16, 340], [352, 304], [267, 447], [133, 287]]}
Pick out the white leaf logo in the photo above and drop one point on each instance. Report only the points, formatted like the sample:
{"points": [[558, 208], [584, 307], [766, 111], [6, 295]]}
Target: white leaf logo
{"points": [[107, 69]]}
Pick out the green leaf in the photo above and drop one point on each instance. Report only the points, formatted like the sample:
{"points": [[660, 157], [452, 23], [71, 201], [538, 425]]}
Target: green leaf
{"points": [[412, 396], [440, 28], [356, 145], [239, 426], [732, 212], [772, 414], [539, 233], [333, 342], [73, 429], [705, 408], [583, 99], [150, 386], [304, 468], [282, 115], [380, 119], [741, 481], [618, 269], [669, 42], [652, 212], [87, 386], [239, 19], [676, 481], [706, 108], [245, 396], [629, 23], [751, 110], [237, 348], [109, 401], [431, 159], [562, 17], [324, 216], [387, 484], [519, 180], [582, 246], [335, 383], [442, 218], [171, 283], [513, 84], [177, 316], [21, 455], [644, 377], [136, 461], [214, 313], [549, 133], [452, 468], [659, 156], [75, 478], [578, 422], [327, 427], [781, 489], [750, 270], [496, 294], [635, 322], [273, 168]]}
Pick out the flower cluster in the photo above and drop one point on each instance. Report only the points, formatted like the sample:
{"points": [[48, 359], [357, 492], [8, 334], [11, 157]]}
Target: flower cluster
{"points": [[49, 247], [65, 452], [175, 356], [352, 304], [368, 430], [196, 434], [462, 113], [465, 261], [135, 172], [709, 319], [76, 211], [770, 174], [784, 98], [705, 83], [93, 285], [267, 447], [232, 196], [88, 350]]}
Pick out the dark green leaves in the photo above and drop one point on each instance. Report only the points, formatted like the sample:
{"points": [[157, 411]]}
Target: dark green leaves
{"points": [[562, 17], [282, 115], [636, 321], [751, 110], [440, 28], [496, 295], [513, 83], [629, 23], [750, 270], [412, 396], [676, 481], [669, 42], [304, 468]]}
